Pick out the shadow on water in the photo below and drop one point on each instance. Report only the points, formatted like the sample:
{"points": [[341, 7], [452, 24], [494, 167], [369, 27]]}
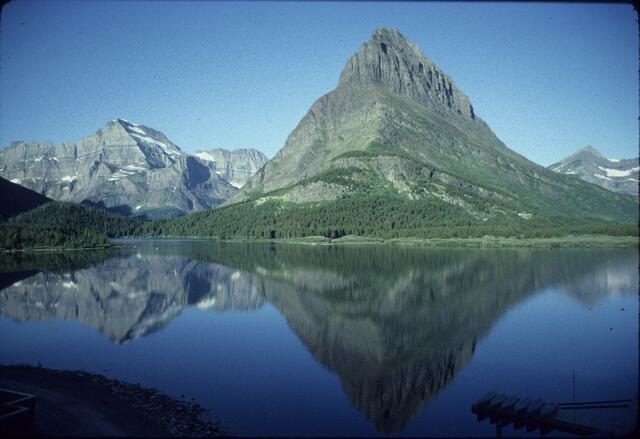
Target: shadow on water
{"points": [[395, 324]]}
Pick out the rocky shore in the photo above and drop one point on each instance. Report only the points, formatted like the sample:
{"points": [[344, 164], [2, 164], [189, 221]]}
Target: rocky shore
{"points": [[78, 403]]}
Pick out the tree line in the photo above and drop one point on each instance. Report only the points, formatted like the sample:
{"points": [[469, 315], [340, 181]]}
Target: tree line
{"points": [[69, 225]]}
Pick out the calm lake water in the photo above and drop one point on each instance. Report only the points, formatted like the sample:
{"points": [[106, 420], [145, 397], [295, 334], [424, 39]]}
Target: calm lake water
{"points": [[322, 340]]}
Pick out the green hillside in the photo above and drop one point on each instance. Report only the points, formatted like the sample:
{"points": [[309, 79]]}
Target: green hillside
{"points": [[417, 155], [63, 225]]}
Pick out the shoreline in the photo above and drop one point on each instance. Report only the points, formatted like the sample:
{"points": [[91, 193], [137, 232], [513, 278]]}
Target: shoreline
{"points": [[55, 249], [569, 241], [78, 403]]}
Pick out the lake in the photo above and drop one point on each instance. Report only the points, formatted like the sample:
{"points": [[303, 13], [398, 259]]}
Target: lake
{"points": [[331, 340]]}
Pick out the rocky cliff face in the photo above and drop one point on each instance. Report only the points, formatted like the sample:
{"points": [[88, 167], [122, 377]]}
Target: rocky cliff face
{"points": [[125, 167], [397, 124], [398, 65], [237, 166], [617, 175]]}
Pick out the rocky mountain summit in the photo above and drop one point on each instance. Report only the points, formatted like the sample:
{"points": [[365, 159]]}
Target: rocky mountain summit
{"points": [[397, 125], [390, 60], [237, 166], [125, 167], [617, 175]]}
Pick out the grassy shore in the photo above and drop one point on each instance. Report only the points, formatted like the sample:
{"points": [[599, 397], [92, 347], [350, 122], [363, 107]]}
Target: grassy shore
{"points": [[586, 241], [602, 241], [53, 249]]}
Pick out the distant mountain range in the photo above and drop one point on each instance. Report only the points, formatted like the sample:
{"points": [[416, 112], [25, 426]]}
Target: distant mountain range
{"points": [[617, 175], [396, 146], [127, 168]]}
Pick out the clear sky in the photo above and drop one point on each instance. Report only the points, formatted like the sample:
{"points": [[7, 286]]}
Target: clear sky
{"points": [[548, 78]]}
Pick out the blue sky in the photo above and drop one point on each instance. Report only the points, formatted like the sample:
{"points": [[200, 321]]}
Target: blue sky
{"points": [[547, 78]]}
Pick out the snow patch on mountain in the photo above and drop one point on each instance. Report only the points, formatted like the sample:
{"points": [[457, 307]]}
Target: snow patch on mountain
{"points": [[137, 130], [205, 156], [168, 149], [618, 172], [126, 172], [206, 303], [617, 175]]}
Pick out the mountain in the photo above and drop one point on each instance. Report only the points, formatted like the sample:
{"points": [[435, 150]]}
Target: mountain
{"points": [[125, 167], [397, 128], [236, 166], [617, 175], [15, 199]]}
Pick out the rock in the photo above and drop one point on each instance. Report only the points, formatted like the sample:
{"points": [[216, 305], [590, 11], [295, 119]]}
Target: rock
{"points": [[124, 167], [617, 175], [397, 125], [236, 166], [390, 60]]}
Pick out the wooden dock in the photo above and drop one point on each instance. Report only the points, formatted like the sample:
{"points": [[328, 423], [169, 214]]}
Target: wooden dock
{"points": [[503, 410], [16, 413]]}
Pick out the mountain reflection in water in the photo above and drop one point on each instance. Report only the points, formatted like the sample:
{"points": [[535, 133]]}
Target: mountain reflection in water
{"points": [[395, 324]]}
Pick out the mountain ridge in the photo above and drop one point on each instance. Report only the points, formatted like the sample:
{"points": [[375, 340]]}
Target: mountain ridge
{"points": [[406, 71], [235, 166], [396, 130], [125, 167], [420, 140], [589, 164]]}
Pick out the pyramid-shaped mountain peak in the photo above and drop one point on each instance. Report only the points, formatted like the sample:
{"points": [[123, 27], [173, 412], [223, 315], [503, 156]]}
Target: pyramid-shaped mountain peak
{"points": [[397, 127], [390, 36], [592, 150], [391, 61], [121, 131]]}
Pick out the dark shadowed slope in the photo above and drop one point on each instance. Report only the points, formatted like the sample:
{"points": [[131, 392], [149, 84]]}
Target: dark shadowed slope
{"points": [[15, 199]]}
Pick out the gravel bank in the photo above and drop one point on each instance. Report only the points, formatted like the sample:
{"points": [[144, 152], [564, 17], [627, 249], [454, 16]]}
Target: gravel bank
{"points": [[76, 403]]}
